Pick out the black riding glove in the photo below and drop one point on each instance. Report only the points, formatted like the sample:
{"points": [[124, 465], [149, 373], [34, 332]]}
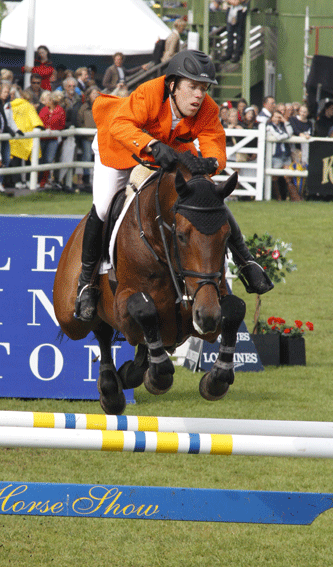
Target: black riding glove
{"points": [[19, 133], [164, 156], [198, 165], [210, 164]]}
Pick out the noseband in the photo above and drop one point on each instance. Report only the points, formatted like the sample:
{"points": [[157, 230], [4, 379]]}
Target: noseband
{"points": [[181, 274]]}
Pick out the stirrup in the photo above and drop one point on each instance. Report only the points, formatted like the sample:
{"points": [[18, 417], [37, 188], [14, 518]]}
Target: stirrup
{"points": [[254, 278], [86, 303]]}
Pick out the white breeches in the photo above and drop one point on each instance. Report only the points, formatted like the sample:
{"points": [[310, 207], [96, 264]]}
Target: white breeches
{"points": [[106, 182]]}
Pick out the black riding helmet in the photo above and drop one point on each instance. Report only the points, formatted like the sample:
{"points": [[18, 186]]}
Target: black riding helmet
{"points": [[195, 65]]}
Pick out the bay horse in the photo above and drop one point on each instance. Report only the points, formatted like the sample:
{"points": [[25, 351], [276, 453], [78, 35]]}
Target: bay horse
{"points": [[170, 251]]}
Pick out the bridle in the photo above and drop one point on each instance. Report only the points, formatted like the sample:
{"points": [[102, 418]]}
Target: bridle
{"points": [[178, 276]]}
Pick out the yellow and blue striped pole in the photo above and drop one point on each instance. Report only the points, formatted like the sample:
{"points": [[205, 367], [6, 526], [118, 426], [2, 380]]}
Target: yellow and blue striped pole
{"points": [[166, 424], [159, 442]]}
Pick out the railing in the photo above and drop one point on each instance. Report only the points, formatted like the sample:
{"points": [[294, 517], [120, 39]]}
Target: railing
{"points": [[254, 176]]}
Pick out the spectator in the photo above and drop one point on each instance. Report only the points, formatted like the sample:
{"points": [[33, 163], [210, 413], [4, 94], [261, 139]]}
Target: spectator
{"points": [[60, 76], [26, 119], [224, 114], [172, 42], [72, 101], [43, 67], [281, 107], [71, 104], [7, 126], [268, 106], [92, 72], [302, 127], [82, 76], [296, 107], [215, 6], [236, 15], [6, 76], [35, 90], [85, 120], [325, 121], [289, 111], [54, 118], [249, 122], [241, 105], [233, 123], [115, 75], [280, 129]]}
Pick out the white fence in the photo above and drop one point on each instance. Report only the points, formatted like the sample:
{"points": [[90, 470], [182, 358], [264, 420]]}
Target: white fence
{"points": [[254, 175]]}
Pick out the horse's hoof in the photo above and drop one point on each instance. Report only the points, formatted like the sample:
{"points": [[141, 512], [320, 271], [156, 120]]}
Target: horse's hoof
{"points": [[212, 390], [157, 386], [131, 375], [112, 403]]}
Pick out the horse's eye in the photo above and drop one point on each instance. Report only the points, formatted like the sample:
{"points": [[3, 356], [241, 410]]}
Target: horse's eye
{"points": [[182, 238]]}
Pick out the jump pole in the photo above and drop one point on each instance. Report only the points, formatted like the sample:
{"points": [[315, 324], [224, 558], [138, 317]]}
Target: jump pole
{"points": [[166, 424], [152, 442]]}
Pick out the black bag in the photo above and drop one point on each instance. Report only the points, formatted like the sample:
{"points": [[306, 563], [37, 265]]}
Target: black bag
{"points": [[158, 51]]}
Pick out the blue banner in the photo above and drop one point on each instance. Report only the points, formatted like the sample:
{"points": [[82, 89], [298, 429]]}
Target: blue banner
{"points": [[161, 503], [34, 362]]}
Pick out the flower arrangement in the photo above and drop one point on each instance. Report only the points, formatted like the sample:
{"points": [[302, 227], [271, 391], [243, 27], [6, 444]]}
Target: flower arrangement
{"points": [[271, 254], [278, 325]]}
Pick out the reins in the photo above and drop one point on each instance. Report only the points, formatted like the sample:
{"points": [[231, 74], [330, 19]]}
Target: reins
{"points": [[205, 278]]}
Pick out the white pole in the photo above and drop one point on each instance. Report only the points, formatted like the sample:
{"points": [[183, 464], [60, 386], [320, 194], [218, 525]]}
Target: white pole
{"points": [[306, 48], [166, 424], [152, 442], [29, 53]]}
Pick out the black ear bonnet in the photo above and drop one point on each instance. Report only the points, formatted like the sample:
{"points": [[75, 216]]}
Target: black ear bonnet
{"points": [[200, 204]]}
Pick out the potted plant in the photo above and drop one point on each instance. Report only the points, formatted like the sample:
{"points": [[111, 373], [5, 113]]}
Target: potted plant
{"points": [[291, 338]]}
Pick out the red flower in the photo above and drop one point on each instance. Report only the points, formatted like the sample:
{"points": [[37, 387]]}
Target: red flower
{"points": [[276, 254], [287, 331], [271, 320], [298, 323], [280, 321], [309, 325], [274, 327]]}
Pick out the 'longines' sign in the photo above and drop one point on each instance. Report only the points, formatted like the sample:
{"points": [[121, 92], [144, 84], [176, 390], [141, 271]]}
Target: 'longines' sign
{"points": [[34, 363]]}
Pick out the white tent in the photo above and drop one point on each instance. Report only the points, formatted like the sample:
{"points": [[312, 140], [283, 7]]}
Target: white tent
{"points": [[85, 27]]}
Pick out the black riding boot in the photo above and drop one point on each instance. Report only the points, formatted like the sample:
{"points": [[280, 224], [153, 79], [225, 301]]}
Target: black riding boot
{"points": [[250, 273], [87, 293]]}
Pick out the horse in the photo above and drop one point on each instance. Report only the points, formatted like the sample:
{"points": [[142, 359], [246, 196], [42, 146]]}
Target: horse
{"points": [[170, 255]]}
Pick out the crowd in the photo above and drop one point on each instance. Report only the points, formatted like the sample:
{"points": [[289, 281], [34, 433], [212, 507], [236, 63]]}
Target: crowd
{"points": [[282, 120], [59, 98]]}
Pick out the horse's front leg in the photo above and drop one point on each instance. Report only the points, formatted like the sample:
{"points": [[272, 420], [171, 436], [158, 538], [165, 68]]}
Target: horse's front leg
{"points": [[112, 398], [158, 378], [215, 384]]}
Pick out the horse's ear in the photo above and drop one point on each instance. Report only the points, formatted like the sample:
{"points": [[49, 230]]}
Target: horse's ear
{"points": [[225, 189], [181, 185]]}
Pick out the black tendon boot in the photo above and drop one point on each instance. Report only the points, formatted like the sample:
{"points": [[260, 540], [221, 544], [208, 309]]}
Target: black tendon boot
{"points": [[87, 293], [250, 273]]}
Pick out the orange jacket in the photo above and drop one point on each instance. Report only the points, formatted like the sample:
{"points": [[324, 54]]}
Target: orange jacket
{"points": [[126, 125]]}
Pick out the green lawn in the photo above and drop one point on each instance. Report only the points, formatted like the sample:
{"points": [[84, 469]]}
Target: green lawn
{"points": [[293, 393]]}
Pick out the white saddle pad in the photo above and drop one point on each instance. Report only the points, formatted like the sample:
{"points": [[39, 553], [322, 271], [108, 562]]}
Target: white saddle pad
{"points": [[139, 176]]}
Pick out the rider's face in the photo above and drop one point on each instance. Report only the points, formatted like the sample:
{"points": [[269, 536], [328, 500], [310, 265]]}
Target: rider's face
{"points": [[189, 96]]}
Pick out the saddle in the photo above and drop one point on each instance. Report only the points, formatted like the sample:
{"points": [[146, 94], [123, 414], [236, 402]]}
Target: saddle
{"points": [[140, 177]]}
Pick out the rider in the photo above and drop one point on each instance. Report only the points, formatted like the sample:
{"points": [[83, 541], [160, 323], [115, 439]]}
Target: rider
{"points": [[161, 117]]}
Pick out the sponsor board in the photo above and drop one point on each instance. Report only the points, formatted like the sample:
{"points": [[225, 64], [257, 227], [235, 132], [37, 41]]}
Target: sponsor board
{"points": [[34, 361], [202, 355]]}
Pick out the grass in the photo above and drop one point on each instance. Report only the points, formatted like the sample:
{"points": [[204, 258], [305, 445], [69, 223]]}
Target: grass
{"points": [[300, 393]]}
